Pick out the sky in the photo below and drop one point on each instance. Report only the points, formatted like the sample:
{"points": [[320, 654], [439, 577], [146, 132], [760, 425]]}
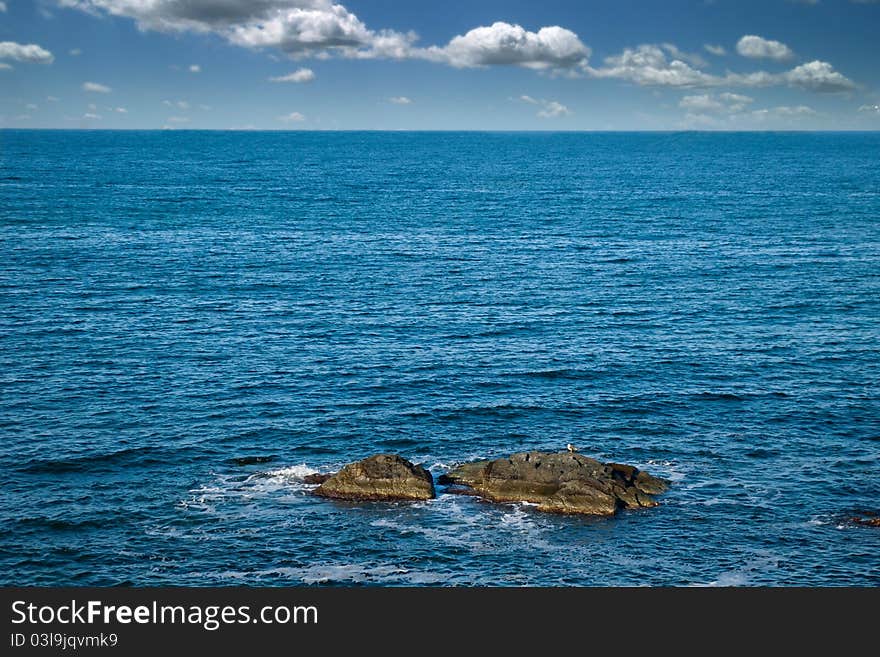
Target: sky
{"points": [[432, 65]]}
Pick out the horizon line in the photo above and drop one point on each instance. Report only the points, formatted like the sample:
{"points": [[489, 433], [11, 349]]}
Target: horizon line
{"points": [[422, 130]]}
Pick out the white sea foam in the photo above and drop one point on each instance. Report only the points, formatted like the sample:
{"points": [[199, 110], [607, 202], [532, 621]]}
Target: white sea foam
{"points": [[286, 480], [291, 473]]}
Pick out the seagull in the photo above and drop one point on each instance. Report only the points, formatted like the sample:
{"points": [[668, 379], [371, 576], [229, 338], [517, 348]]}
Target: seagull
{"points": [[571, 448]]}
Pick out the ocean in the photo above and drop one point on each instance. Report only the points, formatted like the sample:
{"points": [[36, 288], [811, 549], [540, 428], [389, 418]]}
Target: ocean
{"points": [[192, 321]]}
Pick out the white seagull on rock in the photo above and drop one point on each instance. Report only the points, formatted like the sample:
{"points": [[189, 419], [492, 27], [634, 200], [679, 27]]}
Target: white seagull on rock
{"points": [[571, 448]]}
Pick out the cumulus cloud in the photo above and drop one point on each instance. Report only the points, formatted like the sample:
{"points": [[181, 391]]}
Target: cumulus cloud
{"points": [[96, 88], [321, 28], [297, 27], [648, 65], [5, 67], [292, 117], [716, 50], [92, 116], [653, 65], [195, 68], [309, 31], [870, 109], [799, 110], [783, 111], [2, 7], [300, 75], [553, 109], [725, 102], [179, 104], [758, 47], [550, 109], [512, 45], [818, 76], [692, 58], [400, 100], [25, 52], [121, 110]]}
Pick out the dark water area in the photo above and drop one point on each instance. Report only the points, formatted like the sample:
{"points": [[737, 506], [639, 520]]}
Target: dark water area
{"points": [[175, 304]]}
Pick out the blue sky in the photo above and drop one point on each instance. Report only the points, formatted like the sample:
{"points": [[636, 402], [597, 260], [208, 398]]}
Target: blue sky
{"points": [[475, 65]]}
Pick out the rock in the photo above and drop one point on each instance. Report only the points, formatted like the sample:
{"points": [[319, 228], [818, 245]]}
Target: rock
{"points": [[251, 460], [381, 477], [650, 485], [465, 475], [562, 482], [866, 519], [316, 478]]}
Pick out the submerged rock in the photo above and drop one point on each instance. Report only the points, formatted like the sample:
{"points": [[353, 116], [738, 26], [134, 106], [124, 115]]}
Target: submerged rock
{"points": [[866, 518], [251, 460], [381, 477], [562, 482]]}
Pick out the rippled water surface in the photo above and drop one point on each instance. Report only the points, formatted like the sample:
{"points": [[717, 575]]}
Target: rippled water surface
{"points": [[706, 306]]}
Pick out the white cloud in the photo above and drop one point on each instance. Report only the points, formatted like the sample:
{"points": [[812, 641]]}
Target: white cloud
{"points": [[195, 68], [31, 107], [799, 110], [783, 111], [5, 67], [298, 27], [3, 7], [505, 44], [550, 109], [52, 99], [758, 47], [93, 107], [322, 28], [300, 31], [92, 116], [716, 50], [121, 110], [818, 76], [25, 52], [695, 59], [96, 88], [725, 102], [75, 52], [293, 116], [870, 109], [179, 104], [735, 102], [298, 76], [553, 109], [400, 100], [648, 65]]}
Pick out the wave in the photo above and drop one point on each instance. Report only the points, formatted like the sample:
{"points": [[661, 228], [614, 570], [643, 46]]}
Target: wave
{"points": [[130, 457], [565, 374]]}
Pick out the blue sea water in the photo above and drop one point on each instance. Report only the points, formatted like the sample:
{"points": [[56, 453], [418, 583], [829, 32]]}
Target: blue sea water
{"points": [[705, 306]]}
